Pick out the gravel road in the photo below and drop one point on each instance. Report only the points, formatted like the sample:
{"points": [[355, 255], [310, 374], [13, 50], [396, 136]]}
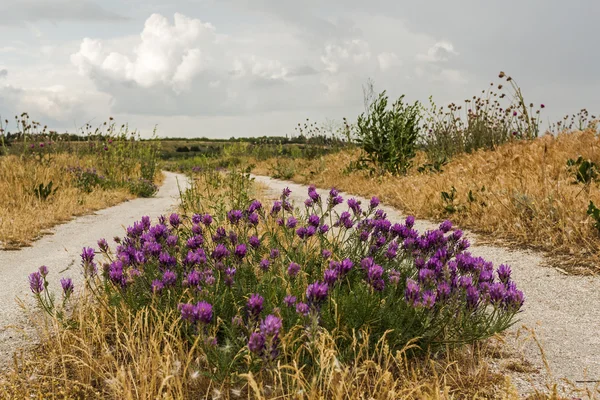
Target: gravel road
{"points": [[563, 309], [60, 252]]}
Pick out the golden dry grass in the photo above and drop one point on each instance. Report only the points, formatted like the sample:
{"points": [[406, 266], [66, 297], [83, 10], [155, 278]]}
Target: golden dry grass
{"points": [[523, 194], [24, 217]]}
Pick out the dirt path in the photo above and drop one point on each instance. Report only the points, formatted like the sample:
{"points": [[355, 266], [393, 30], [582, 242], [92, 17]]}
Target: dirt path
{"points": [[60, 252], [564, 310]]}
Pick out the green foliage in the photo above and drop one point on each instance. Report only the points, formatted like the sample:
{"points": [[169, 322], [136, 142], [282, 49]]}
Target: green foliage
{"points": [[449, 200], [585, 171], [435, 166], [142, 187], [594, 212], [388, 137], [44, 191]]}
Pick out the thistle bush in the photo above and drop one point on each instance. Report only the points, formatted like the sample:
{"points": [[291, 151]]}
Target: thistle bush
{"points": [[255, 284]]}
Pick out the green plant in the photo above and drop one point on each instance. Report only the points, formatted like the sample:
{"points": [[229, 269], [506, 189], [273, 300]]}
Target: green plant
{"points": [[435, 166], [388, 137], [585, 170], [43, 192], [142, 187], [450, 201], [594, 212]]}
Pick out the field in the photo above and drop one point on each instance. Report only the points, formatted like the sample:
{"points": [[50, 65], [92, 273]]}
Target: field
{"points": [[240, 293]]}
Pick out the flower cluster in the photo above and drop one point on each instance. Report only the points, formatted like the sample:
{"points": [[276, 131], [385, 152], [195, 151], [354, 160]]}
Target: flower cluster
{"points": [[245, 278]]}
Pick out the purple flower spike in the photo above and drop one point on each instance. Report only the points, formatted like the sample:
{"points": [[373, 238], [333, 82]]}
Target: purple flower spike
{"points": [[234, 216], [374, 202], [293, 269], [203, 312], [291, 222], [317, 292], [169, 278], [255, 304], [271, 326], [254, 241], [289, 300], [67, 286], [240, 251], [256, 342], [302, 308], [411, 294], [504, 272], [174, 220], [43, 270], [157, 286], [36, 282]]}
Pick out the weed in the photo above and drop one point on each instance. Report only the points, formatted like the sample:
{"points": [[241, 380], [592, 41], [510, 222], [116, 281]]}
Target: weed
{"points": [[44, 191]]}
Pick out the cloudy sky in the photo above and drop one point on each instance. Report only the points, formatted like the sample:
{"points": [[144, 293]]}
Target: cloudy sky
{"points": [[222, 68]]}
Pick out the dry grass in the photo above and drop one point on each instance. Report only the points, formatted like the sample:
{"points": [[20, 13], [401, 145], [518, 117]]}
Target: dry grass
{"points": [[24, 217], [523, 194]]}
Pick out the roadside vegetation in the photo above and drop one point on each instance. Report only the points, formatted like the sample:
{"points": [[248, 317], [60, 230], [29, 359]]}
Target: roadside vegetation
{"points": [[47, 178]]}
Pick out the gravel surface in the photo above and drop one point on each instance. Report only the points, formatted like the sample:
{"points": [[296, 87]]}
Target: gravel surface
{"points": [[563, 309], [60, 252]]}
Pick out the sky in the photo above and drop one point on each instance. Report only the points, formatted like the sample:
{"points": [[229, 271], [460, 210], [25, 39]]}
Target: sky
{"points": [[223, 68]]}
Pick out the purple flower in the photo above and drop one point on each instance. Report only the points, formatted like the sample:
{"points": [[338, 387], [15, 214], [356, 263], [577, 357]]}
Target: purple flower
{"points": [[254, 241], [497, 291], [443, 290], [276, 207], [504, 273], [446, 226], [271, 326], [207, 219], [274, 253], [234, 216], [374, 202], [264, 264], [255, 304], [67, 286], [187, 312], [166, 260], [196, 218], [410, 221], [192, 279], [254, 206], [472, 296], [115, 273], [203, 312], [291, 222], [428, 299], [253, 219], [240, 251], [394, 277], [323, 229], [308, 202], [289, 300], [256, 342], [345, 266], [174, 220], [374, 273], [312, 193], [157, 286], [354, 206], [293, 269], [314, 220], [286, 192], [411, 294], [317, 292], [169, 278], [333, 192], [171, 240], [326, 254], [330, 276], [457, 234], [229, 275], [301, 232], [87, 261], [43, 270], [103, 245], [514, 298], [220, 252], [36, 282], [302, 308]]}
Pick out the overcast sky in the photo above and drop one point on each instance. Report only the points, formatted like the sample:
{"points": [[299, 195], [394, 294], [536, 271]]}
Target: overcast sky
{"points": [[222, 68]]}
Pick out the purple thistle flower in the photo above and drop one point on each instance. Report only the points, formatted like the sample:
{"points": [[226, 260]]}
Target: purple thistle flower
{"points": [[334, 201], [36, 282], [207, 219], [87, 261], [166, 260], [293, 269], [497, 292], [171, 240], [286, 192], [196, 218], [256, 342], [394, 277], [446, 226], [234, 216], [412, 292], [314, 220], [174, 220], [313, 195], [323, 229], [472, 297], [504, 273], [229, 275], [289, 300], [240, 251], [317, 292], [274, 253], [301, 232], [291, 222], [354, 206], [67, 286], [330, 276], [428, 299], [103, 245], [253, 219], [203, 312], [169, 278], [276, 207], [302, 308], [374, 273], [264, 264], [457, 234], [271, 326], [254, 241], [255, 304], [443, 290], [157, 286], [326, 254], [254, 206], [333, 192], [115, 273], [43, 270], [514, 299], [192, 279], [410, 221], [374, 202], [308, 202], [220, 252], [345, 266], [187, 312]]}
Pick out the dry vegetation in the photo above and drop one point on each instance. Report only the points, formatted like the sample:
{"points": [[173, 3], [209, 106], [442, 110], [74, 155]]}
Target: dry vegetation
{"points": [[521, 193], [23, 216]]}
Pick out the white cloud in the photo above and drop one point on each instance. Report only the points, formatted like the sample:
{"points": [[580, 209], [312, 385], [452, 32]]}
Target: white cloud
{"points": [[439, 52], [388, 60]]}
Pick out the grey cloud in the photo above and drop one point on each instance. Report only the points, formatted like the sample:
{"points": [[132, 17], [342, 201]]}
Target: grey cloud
{"points": [[3, 73], [55, 11], [304, 70]]}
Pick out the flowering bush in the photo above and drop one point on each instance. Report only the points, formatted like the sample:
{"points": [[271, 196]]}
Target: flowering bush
{"points": [[256, 284]]}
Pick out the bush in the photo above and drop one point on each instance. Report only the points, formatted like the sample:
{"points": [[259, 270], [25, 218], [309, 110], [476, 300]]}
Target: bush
{"points": [[142, 187], [87, 179], [255, 286], [388, 137]]}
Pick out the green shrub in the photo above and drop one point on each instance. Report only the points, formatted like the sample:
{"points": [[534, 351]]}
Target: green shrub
{"points": [[388, 137], [142, 187]]}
